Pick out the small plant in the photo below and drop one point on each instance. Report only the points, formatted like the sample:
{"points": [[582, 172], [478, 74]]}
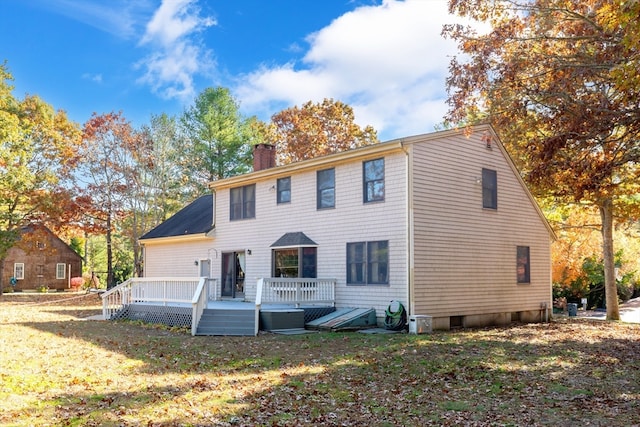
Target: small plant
{"points": [[43, 289]]}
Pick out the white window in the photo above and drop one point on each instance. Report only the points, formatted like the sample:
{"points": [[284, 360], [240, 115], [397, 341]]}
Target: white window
{"points": [[60, 270], [18, 270]]}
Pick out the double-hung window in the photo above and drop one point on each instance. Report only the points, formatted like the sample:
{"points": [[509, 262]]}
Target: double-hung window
{"points": [[326, 188], [284, 190], [368, 263], [523, 264], [373, 180], [243, 202], [18, 270], [60, 270], [489, 189]]}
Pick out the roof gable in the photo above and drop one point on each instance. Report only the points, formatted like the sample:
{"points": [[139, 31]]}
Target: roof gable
{"points": [[41, 228], [195, 218]]}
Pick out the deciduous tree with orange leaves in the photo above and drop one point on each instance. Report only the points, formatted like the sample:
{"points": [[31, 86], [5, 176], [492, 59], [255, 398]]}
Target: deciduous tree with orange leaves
{"points": [[560, 81], [318, 129], [111, 153]]}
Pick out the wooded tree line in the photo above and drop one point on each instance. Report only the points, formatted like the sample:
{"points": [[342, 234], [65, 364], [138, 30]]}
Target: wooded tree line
{"points": [[110, 179]]}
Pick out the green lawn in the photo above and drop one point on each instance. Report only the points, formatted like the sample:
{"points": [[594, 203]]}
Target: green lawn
{"points": [[56, 369]]}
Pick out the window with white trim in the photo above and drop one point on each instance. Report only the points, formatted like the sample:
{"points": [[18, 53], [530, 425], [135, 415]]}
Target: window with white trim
{"points": [[18, 270], [60, 270]]}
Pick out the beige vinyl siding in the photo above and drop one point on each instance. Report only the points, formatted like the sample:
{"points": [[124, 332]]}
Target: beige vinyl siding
{"points": [[350, 221], [465, 255], [176, 257]]}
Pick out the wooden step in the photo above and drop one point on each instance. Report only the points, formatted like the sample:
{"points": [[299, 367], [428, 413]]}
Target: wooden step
{"points": [[227, 322]]}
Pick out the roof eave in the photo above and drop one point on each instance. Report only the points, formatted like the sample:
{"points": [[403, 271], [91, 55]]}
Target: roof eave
{"points": [[174, 239], [315, 163]]}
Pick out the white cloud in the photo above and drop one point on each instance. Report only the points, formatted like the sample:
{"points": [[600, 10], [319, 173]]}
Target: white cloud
{"points": [[178, 55], [96, 78], [174, 20], [389, 62], [116, 17]]}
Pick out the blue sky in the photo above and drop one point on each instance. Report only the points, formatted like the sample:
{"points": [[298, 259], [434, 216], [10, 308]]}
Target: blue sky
{"points": [[385, 58]]}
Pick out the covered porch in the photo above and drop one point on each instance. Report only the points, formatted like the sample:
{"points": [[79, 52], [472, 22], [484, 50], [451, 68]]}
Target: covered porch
{"points": [[196, 302]]}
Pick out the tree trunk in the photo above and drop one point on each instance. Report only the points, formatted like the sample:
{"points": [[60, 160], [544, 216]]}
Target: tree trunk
{"points": [[109, 254], [1, 276], [608, 255]]}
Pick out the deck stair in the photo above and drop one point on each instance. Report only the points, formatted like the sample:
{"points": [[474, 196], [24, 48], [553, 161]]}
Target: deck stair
{"points": [[220, 321]]}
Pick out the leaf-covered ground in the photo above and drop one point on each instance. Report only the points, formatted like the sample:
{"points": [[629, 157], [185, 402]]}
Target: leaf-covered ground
{"points": [[57, 369]]}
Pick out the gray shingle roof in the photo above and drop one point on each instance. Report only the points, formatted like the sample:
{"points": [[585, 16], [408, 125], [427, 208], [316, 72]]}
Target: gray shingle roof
{"points": [[293, 239], [195, 218]]}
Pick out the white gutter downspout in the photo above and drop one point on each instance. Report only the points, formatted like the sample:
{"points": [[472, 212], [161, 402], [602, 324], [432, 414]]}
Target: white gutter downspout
{"points": [[410, 230]]}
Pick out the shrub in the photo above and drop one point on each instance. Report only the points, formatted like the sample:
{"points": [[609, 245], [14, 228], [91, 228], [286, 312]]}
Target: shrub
{"points": [[77, 282], [593, 277]]}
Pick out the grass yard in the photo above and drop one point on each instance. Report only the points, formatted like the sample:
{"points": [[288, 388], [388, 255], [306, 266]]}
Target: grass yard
{"points": [[59, 370]]}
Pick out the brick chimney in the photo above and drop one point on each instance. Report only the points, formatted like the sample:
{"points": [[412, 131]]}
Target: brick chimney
{"points": [[264, 156]]}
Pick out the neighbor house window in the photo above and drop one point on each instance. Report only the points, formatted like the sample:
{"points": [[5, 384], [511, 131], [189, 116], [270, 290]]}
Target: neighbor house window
{"points": [[18, 270], [373, 180], [489, 189], [326, 183], [284, 190], [295, 262], [60, 270], [523, 266], [243, 202], [368, 263]]}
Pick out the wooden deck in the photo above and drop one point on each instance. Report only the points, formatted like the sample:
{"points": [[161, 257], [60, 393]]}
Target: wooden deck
{"points": [[196, 302]]}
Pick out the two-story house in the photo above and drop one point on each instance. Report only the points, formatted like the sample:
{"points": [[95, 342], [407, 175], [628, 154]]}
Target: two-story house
{"points": [[441, 222]]}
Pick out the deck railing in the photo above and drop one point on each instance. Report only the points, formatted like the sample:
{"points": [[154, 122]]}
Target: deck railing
{"points": [[153, 290], [297, 291], [198, 304], [214, 290]]}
